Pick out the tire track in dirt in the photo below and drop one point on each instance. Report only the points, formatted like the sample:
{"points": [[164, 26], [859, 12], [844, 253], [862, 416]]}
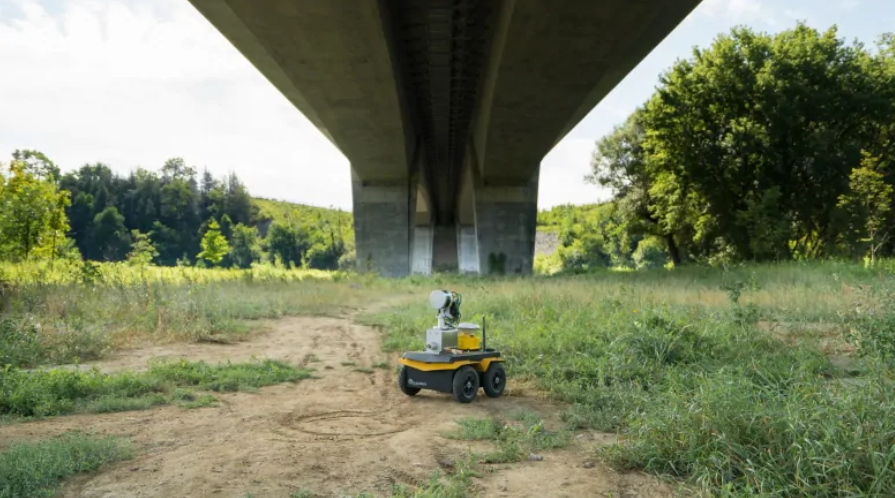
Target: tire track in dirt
{"points": [[340, 433]]}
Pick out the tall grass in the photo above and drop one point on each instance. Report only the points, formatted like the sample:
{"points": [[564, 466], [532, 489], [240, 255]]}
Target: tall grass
{"points": [[52, 392], [719, 378], [35, 469], [683, 366], [53, 314], [62, 271]]}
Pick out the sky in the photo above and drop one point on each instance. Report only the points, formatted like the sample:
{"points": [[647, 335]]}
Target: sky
{"points": [[131, 83]]}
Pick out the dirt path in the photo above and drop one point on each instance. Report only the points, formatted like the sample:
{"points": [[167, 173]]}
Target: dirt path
{"points": [[342, 433]]}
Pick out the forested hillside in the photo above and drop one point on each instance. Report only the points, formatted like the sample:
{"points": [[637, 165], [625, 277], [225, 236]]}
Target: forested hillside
{"points": [[171, 217]]}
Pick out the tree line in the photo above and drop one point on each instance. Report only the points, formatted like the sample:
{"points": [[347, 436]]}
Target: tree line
{"points": [[171, 217], [758, 148]]}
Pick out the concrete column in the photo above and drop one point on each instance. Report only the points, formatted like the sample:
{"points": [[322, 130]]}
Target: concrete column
{"points": [[467, 249], [444, 248], [421, 261], [506, 222], [383, 226]]}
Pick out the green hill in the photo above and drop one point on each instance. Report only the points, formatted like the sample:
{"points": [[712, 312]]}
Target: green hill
{"points": [[270, 211]]}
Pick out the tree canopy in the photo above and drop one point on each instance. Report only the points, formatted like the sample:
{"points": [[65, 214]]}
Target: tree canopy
{"points": [[761, 148]]}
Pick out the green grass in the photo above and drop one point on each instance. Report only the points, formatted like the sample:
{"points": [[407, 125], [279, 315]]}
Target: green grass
{"points": [[52, 392], [452, 486], [187, 399], [455, 484], [517, 437], [35, 469], [719, 379], [68, 322], [476, 429]]}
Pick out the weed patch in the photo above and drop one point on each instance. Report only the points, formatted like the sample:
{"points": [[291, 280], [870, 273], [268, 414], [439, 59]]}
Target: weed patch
{"points": [[20, 344], [228, 377], [35, 469], [516, 438], [452, 486], [44, 393]]}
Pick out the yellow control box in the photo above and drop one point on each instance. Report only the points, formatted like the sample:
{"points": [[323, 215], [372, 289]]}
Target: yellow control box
{"points": [[468, 342]]}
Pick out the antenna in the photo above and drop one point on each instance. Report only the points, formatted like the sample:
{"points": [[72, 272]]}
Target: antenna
{"points": [[483, 333]]}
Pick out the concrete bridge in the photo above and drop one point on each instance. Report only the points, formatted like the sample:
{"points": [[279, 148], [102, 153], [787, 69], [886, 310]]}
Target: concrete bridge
{"points": [[445, 108]]}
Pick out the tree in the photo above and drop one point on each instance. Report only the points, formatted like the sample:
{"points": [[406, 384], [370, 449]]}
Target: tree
{"points": [[58, 225], [142, 250], [32, 213], [620, 163], [868, 204], [179, 207], [239, 206], [650, 254], [214, 245], [288, 243], [769, 232], [244, 247], [166, 241], [81, 214], [746, 147], [111, 238], [38, 164], [226, 227], [176, 169], [753, 113]]}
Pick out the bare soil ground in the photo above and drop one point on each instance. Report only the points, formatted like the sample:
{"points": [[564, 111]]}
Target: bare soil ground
{"points": [[342, 433]]}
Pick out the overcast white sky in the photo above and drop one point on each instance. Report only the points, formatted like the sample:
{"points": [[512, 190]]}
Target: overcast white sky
{"points": [[133, 82]]}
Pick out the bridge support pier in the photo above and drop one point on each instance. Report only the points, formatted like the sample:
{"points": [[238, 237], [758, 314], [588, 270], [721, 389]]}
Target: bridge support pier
{"points": [[444, 249], [383, 226], [468, 249], [506, 222], [390, 242]]}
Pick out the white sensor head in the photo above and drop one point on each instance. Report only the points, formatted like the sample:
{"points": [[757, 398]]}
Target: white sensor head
{"points": [[439, 299]]}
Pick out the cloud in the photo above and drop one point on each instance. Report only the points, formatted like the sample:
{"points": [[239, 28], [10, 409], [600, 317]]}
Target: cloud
{"points": [[740, 11], [562, 175], [133, 83]]}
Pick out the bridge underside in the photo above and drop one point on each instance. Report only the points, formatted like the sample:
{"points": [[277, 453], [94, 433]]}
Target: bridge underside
{"points": [[445, 108]]}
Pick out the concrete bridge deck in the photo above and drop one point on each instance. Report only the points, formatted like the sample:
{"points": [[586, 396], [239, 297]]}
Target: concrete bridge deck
{"points": [[445, 108]]}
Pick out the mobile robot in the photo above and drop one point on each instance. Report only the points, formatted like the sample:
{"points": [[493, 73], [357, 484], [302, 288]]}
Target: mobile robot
{"points": [[454, 360]]}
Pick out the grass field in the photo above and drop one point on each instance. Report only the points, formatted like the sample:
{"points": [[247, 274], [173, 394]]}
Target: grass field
{"points": [[55, 314], [34, 470], [755, 381], [761, 381]]}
